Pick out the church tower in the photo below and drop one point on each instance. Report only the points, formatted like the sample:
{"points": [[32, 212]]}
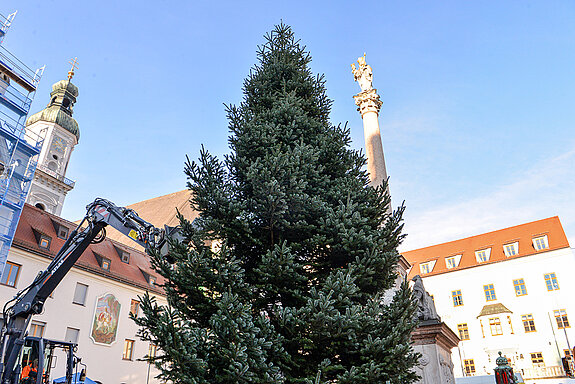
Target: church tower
{"points": [[50, 185]]}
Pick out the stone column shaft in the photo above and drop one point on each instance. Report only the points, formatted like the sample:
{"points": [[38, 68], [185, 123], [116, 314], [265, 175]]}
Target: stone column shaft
{"points": [[368, 106]]}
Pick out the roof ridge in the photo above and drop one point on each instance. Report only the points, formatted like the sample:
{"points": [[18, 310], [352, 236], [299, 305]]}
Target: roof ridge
{"points": [[484, 233], [159, 197]]}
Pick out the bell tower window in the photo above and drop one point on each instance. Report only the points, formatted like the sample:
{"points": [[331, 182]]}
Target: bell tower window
{"points": [[40, 206]]}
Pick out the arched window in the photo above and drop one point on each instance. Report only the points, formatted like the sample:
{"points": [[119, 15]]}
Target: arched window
{"points": [[40, 206]]}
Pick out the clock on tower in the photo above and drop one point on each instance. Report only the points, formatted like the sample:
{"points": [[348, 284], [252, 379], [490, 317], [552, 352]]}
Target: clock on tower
{"points": [[59, 145]]}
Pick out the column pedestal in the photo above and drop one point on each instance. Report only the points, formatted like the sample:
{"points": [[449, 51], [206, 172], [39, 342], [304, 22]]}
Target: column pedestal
{"points": [[434, 340]]}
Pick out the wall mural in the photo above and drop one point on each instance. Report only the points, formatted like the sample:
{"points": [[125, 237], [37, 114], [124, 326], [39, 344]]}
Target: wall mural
{"points": [[106, 317]]}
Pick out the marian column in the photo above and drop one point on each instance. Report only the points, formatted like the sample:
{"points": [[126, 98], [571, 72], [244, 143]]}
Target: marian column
{"points": [[368, 104]]}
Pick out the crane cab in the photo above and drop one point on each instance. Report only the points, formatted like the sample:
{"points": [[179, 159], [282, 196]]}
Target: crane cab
{"points": [[43, 360]]}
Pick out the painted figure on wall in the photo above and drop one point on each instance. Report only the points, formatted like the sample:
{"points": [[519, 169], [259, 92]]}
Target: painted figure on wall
{"points": [[106, 316]]}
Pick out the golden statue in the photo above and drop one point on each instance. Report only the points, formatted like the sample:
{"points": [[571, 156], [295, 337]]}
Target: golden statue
{"points": [[363, 74]]}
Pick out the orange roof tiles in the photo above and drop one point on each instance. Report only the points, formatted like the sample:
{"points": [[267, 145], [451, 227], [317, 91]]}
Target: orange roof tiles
{"points": [[34, 219], [495, 240]]}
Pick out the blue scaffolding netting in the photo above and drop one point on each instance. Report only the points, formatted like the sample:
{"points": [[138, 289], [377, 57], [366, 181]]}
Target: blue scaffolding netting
{"points": [[19, 149]]}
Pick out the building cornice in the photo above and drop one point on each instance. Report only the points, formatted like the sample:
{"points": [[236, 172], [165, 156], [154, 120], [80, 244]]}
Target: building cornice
{"points": [[435, 333], [52, 177]]}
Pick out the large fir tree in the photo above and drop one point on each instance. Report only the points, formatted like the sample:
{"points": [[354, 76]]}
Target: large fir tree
{"points": [[294, 294]]}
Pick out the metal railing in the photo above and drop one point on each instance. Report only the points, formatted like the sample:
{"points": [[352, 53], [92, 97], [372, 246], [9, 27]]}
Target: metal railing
{"points": [[5, 22], [542, 372], [22, 71], [33, 139], [20, 100]]}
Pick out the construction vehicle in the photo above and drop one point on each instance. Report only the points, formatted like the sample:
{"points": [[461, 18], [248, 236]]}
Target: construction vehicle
{"points": [[17, 349]]}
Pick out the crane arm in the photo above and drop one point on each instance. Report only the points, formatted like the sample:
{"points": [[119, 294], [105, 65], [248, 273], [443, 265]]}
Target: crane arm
{"points": [[30, 301]]}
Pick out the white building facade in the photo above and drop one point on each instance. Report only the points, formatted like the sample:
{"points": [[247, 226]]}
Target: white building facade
{"points": [[509, 290], [92, 304]]}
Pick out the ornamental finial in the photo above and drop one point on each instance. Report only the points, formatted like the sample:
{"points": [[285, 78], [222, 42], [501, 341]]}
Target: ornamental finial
{"points": [[74, 66]]}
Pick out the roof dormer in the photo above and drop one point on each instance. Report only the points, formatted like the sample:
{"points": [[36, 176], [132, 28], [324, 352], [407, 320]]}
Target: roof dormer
{"points": [[483, 255]]}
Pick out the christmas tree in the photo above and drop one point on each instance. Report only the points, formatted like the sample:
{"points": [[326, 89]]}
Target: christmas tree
{"points": [[281, 277]]}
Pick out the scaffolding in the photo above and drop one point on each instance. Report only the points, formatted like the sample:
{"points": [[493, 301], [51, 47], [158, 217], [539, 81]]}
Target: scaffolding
{"points": [[5, 23], [19, 149]]}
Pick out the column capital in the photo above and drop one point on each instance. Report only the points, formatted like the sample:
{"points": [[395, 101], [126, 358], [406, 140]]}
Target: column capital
{"points": [[368, 101]]}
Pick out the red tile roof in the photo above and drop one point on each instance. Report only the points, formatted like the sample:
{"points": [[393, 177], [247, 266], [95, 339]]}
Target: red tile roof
{"points": [[34, 219], [495, 240]]}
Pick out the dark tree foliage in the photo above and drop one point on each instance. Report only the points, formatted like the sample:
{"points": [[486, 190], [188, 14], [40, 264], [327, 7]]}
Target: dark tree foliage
{"points": [[293, 293]]}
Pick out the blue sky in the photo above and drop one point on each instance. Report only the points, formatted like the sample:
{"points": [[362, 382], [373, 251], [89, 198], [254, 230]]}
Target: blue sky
{"points": [[479, 98]]}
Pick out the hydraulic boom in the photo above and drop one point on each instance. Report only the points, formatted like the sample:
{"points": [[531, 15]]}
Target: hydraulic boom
{"points": [[30, 301]]}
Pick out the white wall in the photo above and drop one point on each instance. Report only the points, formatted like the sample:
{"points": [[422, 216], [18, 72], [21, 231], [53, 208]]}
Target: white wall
{"points": [[539, 302], [104, 363]]}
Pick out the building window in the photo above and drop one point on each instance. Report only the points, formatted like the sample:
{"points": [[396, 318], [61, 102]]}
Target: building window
{"points": [[540, 243], [537, 358], [72, 335], [561, 318], [520, 289], [106, 264], [495, 326], [551, 282], [128, 349], [457, 298], [10, 274], [452, 262], [62, 232], [152, 280], [124, 256], [528, 323], [469, 366], [134, 307], [426, 268], [37, 329], [463, 331], [511, 249], [567, 353], [152, 350], [489, 292], [80, 294], [483, 255], [44, 242]]}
